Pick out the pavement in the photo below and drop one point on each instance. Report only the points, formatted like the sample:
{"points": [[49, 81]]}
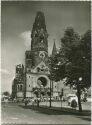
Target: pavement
{"points": [[12, 113]]}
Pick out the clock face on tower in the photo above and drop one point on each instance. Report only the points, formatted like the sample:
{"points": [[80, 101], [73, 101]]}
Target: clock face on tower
{"points": [[42, 54]]}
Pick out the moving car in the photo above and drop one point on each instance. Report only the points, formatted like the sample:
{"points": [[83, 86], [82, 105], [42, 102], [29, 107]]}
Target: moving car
{"points": [[71, 97]]}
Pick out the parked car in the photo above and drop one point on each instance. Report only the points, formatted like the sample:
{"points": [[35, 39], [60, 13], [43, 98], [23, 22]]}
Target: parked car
{"points": [[71, 97]]}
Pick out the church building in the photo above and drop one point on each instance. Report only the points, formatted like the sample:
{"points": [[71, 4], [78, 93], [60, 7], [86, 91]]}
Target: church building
{"points": [[35, 73], [36, 60]]}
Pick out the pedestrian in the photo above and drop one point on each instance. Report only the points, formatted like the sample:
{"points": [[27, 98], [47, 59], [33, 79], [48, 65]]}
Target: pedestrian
{"points": [[26, 102], [5, 102]]}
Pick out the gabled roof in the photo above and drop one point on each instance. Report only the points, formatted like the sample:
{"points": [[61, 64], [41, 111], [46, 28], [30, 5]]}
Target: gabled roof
{"points": [[39, 65]]}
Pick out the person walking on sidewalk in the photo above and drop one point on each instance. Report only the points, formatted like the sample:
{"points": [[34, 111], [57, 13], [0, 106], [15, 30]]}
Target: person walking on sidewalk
{"points": [[26, 101]]}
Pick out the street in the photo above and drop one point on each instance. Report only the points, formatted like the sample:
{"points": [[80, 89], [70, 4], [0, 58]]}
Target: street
{"points": [[19, 114]]}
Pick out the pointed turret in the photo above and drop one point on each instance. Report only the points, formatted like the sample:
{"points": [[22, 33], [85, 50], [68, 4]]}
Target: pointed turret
{"points": [[54, 50]]}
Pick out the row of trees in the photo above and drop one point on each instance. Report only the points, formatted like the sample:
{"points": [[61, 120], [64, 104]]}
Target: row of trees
{"points": [[73, 61]]}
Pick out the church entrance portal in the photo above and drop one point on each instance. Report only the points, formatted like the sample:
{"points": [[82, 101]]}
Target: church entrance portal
{"points": [[42, 81]]}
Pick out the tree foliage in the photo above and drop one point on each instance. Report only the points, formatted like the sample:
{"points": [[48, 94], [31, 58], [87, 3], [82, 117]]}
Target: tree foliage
{"points": [[77, 50], [57, 67], [6, 93], [85, 61], [73, 61]]}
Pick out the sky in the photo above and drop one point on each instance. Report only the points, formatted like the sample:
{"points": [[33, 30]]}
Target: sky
{"points": [[17, 18]]}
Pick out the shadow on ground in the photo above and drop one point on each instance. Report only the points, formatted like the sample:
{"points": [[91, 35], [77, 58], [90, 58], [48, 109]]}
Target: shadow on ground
{"points": [[57, 111], [85, 118]]}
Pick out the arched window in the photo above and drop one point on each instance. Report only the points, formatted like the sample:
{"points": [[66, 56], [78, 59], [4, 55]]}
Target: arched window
{"points": [[20, 87]]}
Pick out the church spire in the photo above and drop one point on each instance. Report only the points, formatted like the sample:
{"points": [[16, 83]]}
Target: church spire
{"points": [[39, 34], [54, 50]]}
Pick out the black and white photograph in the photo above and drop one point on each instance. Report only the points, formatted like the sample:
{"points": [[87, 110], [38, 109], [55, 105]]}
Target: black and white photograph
{"points": [[45, 62]]}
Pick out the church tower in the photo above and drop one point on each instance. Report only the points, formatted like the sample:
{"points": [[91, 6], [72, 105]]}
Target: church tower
{"points": [[39, 42], [36, 59]]}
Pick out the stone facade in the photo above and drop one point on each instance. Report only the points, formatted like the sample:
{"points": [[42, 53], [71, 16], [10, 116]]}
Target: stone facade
{"points": [[37, 58], [18, 82]]}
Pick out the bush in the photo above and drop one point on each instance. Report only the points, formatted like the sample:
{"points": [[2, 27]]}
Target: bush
{"points": [[73, 103]]}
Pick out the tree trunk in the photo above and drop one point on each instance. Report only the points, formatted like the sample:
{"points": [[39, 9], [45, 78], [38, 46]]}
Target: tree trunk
{"points": [[50, 93], [37, 103], [79, 97]]}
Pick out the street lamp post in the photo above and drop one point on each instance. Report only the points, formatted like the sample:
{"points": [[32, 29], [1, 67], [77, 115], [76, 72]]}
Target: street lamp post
{"points": [[41, 91], [79, 94], [61, 102], [80, 78], [61, 96], [50, 93]]}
